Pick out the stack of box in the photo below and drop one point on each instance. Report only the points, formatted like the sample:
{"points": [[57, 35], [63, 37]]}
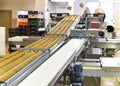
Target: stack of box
{"points": [[23, 23], [28, 24], [35, 21], [23, 19], [13, 32], [2, 41]]}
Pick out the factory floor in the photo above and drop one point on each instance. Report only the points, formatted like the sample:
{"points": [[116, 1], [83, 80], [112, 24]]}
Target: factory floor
{"points": [[104, 81]]}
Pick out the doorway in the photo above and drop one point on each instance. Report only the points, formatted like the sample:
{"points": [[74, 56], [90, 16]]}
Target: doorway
{"points": [[5, 21]]}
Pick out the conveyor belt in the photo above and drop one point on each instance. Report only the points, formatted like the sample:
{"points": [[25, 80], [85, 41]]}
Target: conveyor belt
{"points": [[63, 26], [14, 62], [48, 73]]}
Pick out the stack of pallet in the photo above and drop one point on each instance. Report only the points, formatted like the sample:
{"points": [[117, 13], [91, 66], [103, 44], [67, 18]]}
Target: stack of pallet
{"points": [[23, 23], [28, 24], [13, 32], [35, 21]]}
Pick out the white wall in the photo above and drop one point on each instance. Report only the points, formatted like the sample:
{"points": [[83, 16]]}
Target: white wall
{"points": [[52, 7], [61, 10], [15, 5], [2, 41], [116, 12], [49, 8], [40, 6]]}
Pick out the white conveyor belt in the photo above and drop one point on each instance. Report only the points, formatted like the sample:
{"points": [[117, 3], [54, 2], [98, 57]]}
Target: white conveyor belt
{"points": [[50, 69]]}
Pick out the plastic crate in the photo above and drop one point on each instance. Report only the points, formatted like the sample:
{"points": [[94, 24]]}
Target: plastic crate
{"points": [[25, 27], [22, 23], [24, 31], [23, 20], [33, 27], [33, 23], [32, 16], [40, 15], [40, 23], [33, 19], [33, 34], [22, 12], [13, 32], [22, 16], [33, 12]]}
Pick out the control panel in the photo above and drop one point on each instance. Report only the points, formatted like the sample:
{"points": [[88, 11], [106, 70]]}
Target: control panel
{"points": [[84, 33], [90, 34]]}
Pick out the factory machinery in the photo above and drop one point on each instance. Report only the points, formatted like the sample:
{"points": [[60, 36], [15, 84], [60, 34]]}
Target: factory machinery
{"points": [[43, 62], [99, 55], [19, 64], [65, 60]]}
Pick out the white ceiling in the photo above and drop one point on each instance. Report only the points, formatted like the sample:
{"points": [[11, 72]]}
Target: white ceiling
{"points": [[62, 4]]}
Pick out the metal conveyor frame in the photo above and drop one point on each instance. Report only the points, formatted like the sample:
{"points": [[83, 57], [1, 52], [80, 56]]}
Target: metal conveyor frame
{"points": [[48, 73]]}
